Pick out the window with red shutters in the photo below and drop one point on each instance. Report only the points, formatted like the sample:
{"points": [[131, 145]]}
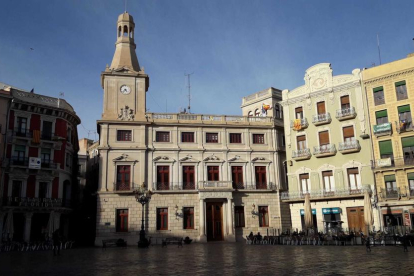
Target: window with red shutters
{"points": [[187, 137], [122, 220], [162, 218], [188, 217], [258, 138], [235, 138], [124, 135], [162, 136], [213, 173], [211, 137]]}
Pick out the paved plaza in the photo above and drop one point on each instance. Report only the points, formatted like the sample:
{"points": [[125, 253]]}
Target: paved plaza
{"points": [[213, 259]]}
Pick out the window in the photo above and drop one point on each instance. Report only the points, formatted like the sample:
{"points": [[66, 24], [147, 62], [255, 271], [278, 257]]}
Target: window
{"points": [[211, 137], [123, 177], [45, 156], [188, 178], [354, 179], [301, 142], [345, 102], [47, 130], [260, 176], [277, 111], [390, 183], [188, 217], [68, 161], [187, 137], [328, 181], [410, 177], [258, 138], [124, 135], [16, 188], [69, 135], [122, 220], [21, 126], [162, 136], [299, 113], [401, 89], [235, 138], [263, 216], [304, 183], [163, 177], [323, 138], [257, 112], [382, 117], [250, 114], [408, 149], [282, 139], [237, 177], [213, 173], [348, 133], [404, 114], [239, 216], [321, 108], [162, 218], [43, 189], [379, 95], [386, 151], [19, 153]]}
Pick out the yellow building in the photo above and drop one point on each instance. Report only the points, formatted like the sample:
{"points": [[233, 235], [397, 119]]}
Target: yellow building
{"points": [[390, 96]]}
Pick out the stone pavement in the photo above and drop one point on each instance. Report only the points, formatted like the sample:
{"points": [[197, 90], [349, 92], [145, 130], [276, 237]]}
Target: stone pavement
{"points": [[213, 259]]}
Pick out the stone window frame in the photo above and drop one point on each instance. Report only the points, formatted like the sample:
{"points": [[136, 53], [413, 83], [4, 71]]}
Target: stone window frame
{"points": [[116, 219], [117, 163]]}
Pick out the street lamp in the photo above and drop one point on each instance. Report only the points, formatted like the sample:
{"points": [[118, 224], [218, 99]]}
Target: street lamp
{"points": [[142, 196]]}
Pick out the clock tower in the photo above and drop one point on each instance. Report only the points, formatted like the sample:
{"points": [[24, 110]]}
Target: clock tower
{"points": [[124, 82]]}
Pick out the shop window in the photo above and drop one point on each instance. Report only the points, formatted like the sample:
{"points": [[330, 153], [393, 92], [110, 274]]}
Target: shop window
{"points": [[379, 96], [239, 216], [187, 137], [188, 217], [314, 222], [162, 218], [162, 136], [235, 138], [211, 137], [124, 135], [332, 222], [263, 216], [258, 138], [122, 220], [401, 89]]}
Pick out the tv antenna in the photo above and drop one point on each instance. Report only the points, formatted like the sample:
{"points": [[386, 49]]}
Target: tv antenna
{"points": [[189, 92], [379, 50]]}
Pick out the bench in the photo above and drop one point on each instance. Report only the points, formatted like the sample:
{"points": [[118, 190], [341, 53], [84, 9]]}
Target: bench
{"points": [[178, 241], [113, 242]]}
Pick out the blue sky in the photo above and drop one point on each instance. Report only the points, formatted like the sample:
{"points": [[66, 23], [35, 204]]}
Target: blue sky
{"points": [[234, 47]]}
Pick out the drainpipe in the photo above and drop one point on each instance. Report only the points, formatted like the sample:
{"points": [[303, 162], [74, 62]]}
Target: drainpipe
{"points": [[372, 156], [5, 147]]}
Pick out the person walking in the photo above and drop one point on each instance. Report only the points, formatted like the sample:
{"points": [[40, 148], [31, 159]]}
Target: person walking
{"points": [[405, 242], [56, 242], [368, 244]]}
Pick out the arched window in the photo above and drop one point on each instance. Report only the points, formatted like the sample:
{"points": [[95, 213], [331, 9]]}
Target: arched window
{"points": [[257, 112], [250, 114], [125, 30], [131, 32], [277, 111], [119, 31]]}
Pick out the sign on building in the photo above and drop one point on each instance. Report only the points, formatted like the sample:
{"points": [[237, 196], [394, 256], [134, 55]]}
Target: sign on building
{"points": [[34, 163]]}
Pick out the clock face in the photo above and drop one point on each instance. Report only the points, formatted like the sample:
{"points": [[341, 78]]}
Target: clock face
{"points": [[125, 89]]}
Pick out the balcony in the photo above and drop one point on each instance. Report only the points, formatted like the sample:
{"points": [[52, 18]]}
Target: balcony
{"points": [[47, 136], [383, 129], [21, 132], [299, 124], [411, 191], [254, 186], [324, 150], [36, 202], [323, 194], [19, 161], [48, 164], [390, 193], [345, 113], [175, 186], [302, 154], [349, 146], [321, 119], [125, 187], [404, 126]]}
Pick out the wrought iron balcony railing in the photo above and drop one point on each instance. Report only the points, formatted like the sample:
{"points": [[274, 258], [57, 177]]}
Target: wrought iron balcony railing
{"points": [[324, 150], [321, 119], [301, 154], [36, 202], [404, 126], [254, 186], [125, 187], [391, 193], [19, 161], [383, 129], [299, 124], [22, 132], [345, 113], [349, 146], [318, 194]]}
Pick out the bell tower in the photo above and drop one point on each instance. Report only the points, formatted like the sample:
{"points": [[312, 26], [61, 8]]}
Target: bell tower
{"points": [[124, 82]]}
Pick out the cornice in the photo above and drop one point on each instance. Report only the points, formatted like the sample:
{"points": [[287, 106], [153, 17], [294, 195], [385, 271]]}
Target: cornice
{"points": [[388, 76]]}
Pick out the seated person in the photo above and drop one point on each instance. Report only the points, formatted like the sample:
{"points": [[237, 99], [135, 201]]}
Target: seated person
{"points": [[258, 236]]}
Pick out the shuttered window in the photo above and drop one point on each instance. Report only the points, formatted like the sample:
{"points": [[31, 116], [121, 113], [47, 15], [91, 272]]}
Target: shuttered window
{"points": [[304, 182], [404, 108], [323, 138], [298, 112], [345, 102], [407, 141], [348, 132], [385, 147], [388, 178], [321, 108], [381, 114], [401, 89], [410, 176], [301, 141], [379, 95]]}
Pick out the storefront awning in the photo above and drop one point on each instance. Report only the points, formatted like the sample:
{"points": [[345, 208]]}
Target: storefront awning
{"points": [[334, 210], [302, 212]]}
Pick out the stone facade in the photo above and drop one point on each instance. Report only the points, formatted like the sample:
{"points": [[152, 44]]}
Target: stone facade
{"points": [[389, 89], [213, 177]]}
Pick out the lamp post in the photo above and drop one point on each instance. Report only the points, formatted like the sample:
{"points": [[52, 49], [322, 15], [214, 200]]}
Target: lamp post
{"points": [[142, 196]]}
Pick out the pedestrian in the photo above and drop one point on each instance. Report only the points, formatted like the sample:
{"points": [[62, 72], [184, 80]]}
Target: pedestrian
{"points": [[405, 242], [368, 244], [56, 242]]}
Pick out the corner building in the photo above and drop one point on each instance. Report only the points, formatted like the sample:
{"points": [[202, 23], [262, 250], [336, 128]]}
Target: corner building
{"points": [[389, 89], [214, 177], [328, 150]]}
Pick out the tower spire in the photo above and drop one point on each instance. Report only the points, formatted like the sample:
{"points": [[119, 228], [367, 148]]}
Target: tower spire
{"points": [[125, 55]]}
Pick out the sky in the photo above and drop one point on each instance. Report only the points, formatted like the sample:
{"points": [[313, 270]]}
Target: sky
{"points": [[233, 47]]}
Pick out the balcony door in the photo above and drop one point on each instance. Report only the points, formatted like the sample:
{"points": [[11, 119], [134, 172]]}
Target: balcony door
{"points": [[163, 177], [345, 102], [237, 177], [356, 219], [321, 108], [214, 218], [299, 113], [304, 183], [123, 177], [260, 173], [301, 142], [47, 130], [188, 178], [348, 133], [213, 173]]}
